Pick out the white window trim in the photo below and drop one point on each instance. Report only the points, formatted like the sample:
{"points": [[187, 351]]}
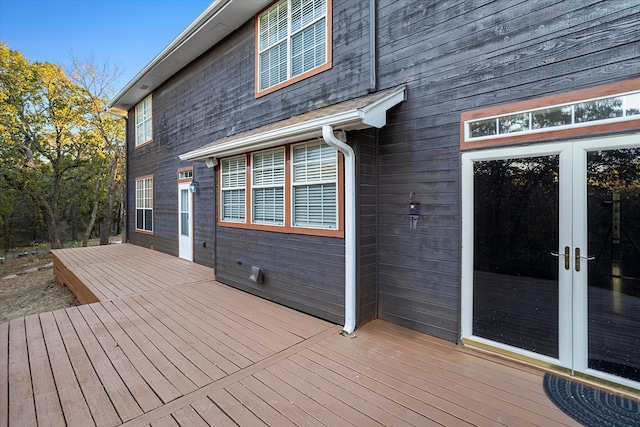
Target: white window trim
{"points": [[625, 97], [243, 187], [307, 183], [281, 185], [140, 134], [141, 202], [288, 41], [331, 230]]}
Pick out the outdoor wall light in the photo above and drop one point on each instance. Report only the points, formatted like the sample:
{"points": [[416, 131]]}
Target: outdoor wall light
{"points": [[211, 162], [193, 187]]}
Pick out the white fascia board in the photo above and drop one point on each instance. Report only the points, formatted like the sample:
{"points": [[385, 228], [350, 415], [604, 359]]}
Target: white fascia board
{"points": [[372, 115], [375, 114], [306, 130], [218, 20]]}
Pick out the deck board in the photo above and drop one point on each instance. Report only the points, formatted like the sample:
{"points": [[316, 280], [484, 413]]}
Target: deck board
{"points": [[75, 407], [22, 409], [4, 371], [102, 411], [123, 401], [45, 394], [164, 344]]}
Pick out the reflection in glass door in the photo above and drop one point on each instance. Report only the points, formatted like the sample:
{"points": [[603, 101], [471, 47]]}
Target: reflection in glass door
{"points": [[613, 215], [551, 254], [515, 275]]}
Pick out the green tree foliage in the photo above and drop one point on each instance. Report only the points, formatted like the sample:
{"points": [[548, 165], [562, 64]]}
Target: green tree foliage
{"points": [[52, 150], [109, 131]]}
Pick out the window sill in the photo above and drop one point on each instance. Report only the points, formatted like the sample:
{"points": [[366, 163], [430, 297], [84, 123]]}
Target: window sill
{"points": [[313, 72], [285, 229]]}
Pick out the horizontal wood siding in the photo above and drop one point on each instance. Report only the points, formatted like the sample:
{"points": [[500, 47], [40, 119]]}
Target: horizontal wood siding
{"points": [[457, 56], [213, 98], [364, 144], [302, 272], [454, 56]]}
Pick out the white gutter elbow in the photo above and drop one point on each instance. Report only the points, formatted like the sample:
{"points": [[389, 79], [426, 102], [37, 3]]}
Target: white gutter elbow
{"points": [[349, 227]]}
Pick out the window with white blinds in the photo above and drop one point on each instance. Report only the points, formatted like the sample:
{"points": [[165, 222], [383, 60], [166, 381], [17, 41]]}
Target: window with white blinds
{"points": [[144, 204], [267, 183], [314, 180], [144, 123], [289, 189], [233, 186], [292, 39]]}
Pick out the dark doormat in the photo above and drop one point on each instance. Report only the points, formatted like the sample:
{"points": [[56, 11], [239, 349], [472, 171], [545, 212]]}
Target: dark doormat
{"points": [[589, 406]]}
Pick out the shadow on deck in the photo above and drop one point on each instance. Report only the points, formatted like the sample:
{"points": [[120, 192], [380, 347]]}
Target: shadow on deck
{"points": [[161, 343]]}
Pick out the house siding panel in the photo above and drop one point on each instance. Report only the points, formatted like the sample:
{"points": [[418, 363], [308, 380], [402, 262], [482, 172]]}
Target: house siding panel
{"points": [[454, 56], [457, 56], [213, 98], [301, 272]]}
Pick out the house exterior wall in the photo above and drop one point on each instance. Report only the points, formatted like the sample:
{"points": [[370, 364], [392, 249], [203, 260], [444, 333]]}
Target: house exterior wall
{"points": [[457, 56], [213, 98], [454, 56]]}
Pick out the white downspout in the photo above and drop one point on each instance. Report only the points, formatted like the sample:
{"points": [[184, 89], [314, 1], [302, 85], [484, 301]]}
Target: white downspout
{"points": [[349, 227]]}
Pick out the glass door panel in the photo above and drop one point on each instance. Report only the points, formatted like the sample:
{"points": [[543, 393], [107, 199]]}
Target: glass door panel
{"points": [[515, 231], [184, 213], [185, 222], [613, 215]]}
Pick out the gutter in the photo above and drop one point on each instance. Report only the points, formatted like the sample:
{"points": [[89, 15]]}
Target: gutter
{"points": [[349, 227]]}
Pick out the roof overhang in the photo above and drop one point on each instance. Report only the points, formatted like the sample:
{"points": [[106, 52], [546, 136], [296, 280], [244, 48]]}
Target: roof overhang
{"points": [[220, 19], [360, 113]]}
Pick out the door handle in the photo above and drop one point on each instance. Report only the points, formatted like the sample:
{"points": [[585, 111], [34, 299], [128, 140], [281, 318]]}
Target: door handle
{"points": [[578, 257], [566, 256]]}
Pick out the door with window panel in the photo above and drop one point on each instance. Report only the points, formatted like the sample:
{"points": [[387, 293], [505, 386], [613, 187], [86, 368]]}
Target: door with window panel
{"points": [[185, 222], [551, 242]]}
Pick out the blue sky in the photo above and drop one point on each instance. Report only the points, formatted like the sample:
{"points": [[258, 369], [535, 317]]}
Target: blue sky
{"points": [[126, 33]]}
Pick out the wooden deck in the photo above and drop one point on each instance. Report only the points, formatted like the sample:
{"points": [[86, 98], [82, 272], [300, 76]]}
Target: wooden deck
{"points": [[166, 345]]}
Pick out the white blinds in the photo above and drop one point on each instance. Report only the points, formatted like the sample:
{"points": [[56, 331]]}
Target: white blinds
{"points": [[267, 176], [292, 39], [308, 35], [234, 178], [144, 129], [314, 181]]}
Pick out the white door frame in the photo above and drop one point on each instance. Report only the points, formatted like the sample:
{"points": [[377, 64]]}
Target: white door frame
{"points": [[185, 242], [573, 292]]}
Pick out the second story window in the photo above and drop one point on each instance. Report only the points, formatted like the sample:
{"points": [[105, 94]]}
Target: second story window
{"points": [[293, 40], [144, 125]]}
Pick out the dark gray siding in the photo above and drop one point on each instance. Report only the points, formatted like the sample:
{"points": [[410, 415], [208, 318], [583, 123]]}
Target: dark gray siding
{"points": [[457, 56], [301, 272], [365, 146], [454, 56], [160, 159], [212, 98]]}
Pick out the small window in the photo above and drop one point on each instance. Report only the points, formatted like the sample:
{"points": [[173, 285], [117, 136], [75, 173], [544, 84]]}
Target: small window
{"points": [[314, 181], [144, 204], [233, 184], [267, 175], [144, 123], [186, 174], [293, 39], [582, 113]]}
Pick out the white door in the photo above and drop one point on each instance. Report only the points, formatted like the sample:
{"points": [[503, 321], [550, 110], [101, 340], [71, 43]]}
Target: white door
{"points": [[185, 222], [551, 254]]}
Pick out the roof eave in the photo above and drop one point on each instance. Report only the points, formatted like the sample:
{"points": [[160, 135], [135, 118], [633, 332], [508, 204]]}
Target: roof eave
{"points": [[218, 20]]}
